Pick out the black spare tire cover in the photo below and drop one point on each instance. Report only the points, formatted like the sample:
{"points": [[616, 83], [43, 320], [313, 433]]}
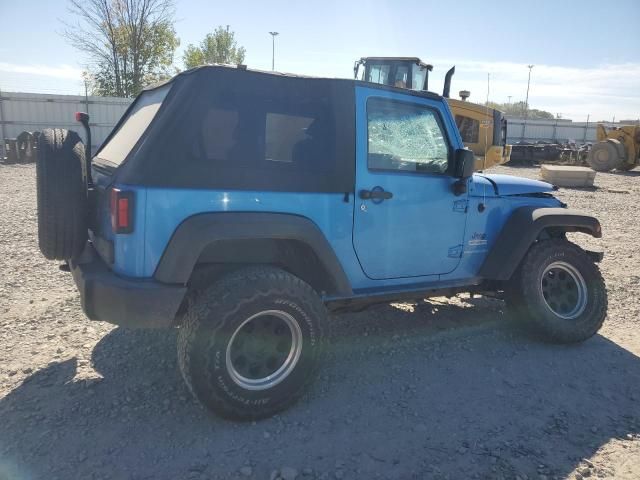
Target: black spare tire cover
{"points": [[62, 194]]}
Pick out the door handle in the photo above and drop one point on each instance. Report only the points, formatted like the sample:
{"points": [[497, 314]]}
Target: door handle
{"points": [[375, 194]]}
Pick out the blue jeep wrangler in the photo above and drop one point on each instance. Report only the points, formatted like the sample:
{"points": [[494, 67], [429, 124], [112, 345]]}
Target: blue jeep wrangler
{"points": [[242, 206]]}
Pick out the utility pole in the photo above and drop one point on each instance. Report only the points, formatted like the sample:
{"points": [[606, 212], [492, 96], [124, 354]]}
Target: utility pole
{"points": [[509, 97], [273, 49], [4, 133], [488, 83], [526, 102], [586, 126], [555, 127], [486, 130]]}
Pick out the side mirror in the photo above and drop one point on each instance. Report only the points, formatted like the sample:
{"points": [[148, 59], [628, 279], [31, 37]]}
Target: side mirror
{"points": [[463, 169], [464, 163]]}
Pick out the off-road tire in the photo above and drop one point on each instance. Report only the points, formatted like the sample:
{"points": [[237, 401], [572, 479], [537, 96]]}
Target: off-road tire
{"points": [[62, 194], [525, 300], [216, 312], [604, 157]]}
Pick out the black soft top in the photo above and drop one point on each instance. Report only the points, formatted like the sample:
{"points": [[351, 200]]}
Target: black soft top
{"points": [[223, 127], [242, 68]]}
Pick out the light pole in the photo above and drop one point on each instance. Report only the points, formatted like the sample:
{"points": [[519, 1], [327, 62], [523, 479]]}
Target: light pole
{"points": [[526, 102], [273, 49]]}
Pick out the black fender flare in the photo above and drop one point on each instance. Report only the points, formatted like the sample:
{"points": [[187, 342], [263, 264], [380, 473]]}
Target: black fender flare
{"points": [[202, 231], [523, 228]]}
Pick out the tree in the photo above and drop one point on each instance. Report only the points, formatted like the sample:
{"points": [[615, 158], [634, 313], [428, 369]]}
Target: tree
{"points": [[129, 43], [217, 47], [517, 109]]}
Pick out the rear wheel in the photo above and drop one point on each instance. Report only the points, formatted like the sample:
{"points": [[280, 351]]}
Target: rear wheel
{"points": [[62, 194], [559, 292], [252, 342]]}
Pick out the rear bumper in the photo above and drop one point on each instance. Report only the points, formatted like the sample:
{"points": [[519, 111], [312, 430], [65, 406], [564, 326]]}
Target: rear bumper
{"points": [[123, 301]]}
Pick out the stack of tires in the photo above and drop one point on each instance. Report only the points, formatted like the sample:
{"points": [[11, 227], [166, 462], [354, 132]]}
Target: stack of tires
{"points": [[10, 150], [62, 194], [25, 147]]}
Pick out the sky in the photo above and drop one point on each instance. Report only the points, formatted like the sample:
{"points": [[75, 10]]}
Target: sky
{"points": [[586, 59]]}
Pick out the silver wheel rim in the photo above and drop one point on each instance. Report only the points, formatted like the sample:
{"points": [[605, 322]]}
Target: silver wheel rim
{"points": [[264, 350], [564, 290]]}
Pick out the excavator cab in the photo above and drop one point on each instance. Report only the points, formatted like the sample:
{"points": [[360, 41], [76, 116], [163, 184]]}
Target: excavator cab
{"points": [[401, 72], [483, 129]]}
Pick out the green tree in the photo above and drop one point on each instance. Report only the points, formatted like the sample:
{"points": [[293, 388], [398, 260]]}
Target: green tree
{"points": [[517, 109], [129, 43], [217, 47]]}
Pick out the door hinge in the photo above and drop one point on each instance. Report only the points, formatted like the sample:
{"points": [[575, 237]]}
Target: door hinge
{"points": [[460, 206], [455, 252]]}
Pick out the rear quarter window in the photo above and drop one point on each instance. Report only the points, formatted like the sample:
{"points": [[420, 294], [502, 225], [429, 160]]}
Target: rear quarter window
{"points": [[138, 119], [284, 134], [217, 133], [259, 133]]}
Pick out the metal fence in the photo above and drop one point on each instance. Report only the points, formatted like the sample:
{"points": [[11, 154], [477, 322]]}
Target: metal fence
{"points": [[31, 112], [550, 130]]}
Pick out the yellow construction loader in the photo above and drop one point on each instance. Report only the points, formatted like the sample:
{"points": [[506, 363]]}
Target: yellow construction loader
{"points": [[617, 148], [483, 130]]}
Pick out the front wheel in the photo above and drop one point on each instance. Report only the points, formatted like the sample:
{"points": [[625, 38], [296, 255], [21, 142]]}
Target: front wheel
{"points": [[558, 291], [604, 157], [251, 343]]}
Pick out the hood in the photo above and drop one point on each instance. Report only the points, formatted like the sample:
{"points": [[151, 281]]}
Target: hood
{"points": [[510, 185]]}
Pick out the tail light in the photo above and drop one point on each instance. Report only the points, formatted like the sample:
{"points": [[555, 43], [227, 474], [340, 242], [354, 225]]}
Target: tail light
{"points": [[122, 204]]}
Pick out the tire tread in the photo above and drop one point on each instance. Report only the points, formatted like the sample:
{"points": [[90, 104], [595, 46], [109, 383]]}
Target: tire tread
{"points": [[521, 289], [228, 295], [61, 187]]}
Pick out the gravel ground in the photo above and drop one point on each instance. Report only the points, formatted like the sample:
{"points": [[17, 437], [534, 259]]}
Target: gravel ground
{"points": [[441, 389]]}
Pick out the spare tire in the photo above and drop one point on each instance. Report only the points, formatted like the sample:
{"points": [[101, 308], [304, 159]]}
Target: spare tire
{"points": [[62, 194]]}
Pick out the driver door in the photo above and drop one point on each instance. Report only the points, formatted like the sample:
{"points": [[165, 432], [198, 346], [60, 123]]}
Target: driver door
{"points": [[407, 221]]}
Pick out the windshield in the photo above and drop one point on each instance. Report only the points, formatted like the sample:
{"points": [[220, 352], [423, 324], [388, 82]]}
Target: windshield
{"points": [[419, 77], [379, 74], [130, 131]]}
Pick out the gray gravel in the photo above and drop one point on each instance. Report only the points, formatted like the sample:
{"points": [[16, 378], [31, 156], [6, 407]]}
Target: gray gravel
{"points": [[441, 389]]}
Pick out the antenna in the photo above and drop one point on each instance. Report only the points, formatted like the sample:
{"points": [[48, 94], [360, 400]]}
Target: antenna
{"points": [[486, 130]]}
